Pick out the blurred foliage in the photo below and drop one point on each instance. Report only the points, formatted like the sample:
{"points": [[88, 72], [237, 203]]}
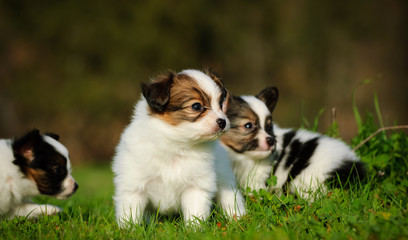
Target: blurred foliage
{"points": [[75, 67]]}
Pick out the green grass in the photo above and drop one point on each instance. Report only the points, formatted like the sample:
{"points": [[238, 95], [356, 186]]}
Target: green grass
{"points": [[373, 209]]}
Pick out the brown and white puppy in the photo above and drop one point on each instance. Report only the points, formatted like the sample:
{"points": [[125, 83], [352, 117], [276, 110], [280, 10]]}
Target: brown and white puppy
{"points": [[33, 165], [165, 156]]}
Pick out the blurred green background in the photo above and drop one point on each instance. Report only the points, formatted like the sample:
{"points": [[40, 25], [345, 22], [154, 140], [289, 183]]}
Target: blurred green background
{"points": [[75, 67]]}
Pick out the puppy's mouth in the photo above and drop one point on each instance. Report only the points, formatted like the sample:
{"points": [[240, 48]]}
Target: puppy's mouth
{"points": [[64, 194], [270, 151], [260, 154], [214, 135], [63, 197]]}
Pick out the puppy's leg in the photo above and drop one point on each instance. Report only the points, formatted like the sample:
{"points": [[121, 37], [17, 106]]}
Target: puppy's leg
{"points": [[32, 210], [130, 207], [195, 204], [229, 198], [231, 201]]}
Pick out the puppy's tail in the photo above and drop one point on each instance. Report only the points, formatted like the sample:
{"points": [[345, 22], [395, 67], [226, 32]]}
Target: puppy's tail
{"points": [[349, 173]]}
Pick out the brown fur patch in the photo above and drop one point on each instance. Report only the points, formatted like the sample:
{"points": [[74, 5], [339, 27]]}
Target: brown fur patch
{"points": [[239, 138], [184, 93], [39, 176], [214, 77]]}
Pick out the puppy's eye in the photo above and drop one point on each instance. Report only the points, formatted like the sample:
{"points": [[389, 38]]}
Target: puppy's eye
{"points": [[269, 129], [58, 170], [248, 125], [269, 126], [196, 107]]}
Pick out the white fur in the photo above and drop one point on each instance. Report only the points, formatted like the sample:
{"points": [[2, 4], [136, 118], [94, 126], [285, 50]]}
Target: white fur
{"points": [[16, 190], [253, 171], [228, 195], [172, 168], [250, 172], [58, 147], [259, 108]]}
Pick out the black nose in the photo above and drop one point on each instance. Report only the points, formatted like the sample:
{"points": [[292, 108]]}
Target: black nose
{"points": [[221, 123], [270, 141], [75, 187]]}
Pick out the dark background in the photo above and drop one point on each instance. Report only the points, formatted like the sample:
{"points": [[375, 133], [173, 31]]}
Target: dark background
{"points": [[75, 67]]}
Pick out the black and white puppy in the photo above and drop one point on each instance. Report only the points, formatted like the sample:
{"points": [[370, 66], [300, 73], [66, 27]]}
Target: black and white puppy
{"points": [[301, 160], [164, 160], [30, 166]]}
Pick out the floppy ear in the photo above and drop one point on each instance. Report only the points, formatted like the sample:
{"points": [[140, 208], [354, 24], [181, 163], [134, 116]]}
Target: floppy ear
{"points": [[214, 76], [53, 135], [269, 96], [23, 148], [157, 93]]}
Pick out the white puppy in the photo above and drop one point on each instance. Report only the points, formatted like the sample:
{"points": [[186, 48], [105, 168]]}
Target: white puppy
{"points": [[164, 159], [30, 166]]}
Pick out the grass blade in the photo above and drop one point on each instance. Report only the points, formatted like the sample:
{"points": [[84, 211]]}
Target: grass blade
{"points": [[357, 115]]}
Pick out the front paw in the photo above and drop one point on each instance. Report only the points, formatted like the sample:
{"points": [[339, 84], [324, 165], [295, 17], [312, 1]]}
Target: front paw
{"points": [[32, 210], [51, 209]]}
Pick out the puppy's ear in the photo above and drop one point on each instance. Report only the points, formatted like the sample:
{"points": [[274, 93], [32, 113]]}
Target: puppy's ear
{"points": [[157, 93], [269, 96], [23, 148], [214, 76], [53, 135], [224, 100]]}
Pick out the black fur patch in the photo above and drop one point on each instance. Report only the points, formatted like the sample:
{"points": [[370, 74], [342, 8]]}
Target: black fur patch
{"points": [[269, 125], [349, 171], [223, 97], [270, 97], [287, 138], [299, 157], [23, 149], [40, 162], [157, 93]]}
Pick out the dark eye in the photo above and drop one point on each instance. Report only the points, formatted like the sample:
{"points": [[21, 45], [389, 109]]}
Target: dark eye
{"points": [[269, 126], [248, 125], [196, 106], [58, 170], [269, 129]]}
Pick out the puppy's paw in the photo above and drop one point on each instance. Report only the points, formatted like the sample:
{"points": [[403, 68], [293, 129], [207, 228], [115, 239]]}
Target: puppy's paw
{"points": [[32, 210], [50, 209]]}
